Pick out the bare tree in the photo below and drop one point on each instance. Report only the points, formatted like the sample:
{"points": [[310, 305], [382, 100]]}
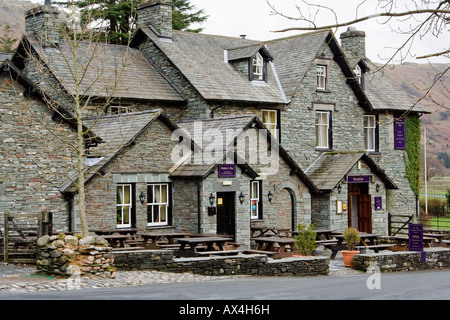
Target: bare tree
{"points": [[415, 18], [75, 80]]}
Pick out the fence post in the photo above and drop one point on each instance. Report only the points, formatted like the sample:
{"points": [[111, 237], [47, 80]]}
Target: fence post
{"points": [[389, 224], [5, 237]]}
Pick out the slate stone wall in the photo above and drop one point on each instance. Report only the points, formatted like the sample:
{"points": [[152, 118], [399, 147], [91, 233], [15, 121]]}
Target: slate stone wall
{"points": [[257, 265], [33, 161]]}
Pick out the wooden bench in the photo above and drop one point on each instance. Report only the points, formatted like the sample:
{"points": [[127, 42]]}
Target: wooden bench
{"points": [[127, 248], [252, 251], [219, 253], [326, 242], [376, 248]]}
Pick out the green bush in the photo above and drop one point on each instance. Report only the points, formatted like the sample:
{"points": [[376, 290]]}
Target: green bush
{"points": [[305, 240], [436, 207]]}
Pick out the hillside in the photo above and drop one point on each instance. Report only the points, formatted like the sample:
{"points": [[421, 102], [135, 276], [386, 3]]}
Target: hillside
{"points": [[416, 79], [12, 13]]}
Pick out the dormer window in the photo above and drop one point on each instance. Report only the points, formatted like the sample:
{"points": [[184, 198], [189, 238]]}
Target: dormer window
{"points": [[258, 67], [358, 74]]}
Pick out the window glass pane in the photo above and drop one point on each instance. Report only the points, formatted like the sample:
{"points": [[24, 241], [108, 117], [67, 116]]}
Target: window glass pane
{"points": [[126, 194], [164, 195], [322, 126], [150, 194], [119, 215], [163, 213], [119, 195], [157, 190]]}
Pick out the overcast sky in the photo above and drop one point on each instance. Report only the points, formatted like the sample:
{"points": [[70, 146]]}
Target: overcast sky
{"points": [[254, 19]]}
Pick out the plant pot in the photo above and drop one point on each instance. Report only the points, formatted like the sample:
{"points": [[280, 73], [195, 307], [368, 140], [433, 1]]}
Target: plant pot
{"points": [[347, 256]]}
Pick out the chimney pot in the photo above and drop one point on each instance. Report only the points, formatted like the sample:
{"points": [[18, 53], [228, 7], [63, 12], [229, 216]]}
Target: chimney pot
{"points": [[158, 14], [354, 41]]}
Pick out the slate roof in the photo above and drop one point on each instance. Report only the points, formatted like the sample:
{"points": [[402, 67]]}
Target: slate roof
{"points": [[236, 126], [201, 59], [293, 56], [5, 56], [117, 132], [331, 167], [136, 78], [386, 96]]}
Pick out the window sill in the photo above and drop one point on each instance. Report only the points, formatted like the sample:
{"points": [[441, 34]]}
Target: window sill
{"points": [[323, 91], [324, 149], [373, 153]]}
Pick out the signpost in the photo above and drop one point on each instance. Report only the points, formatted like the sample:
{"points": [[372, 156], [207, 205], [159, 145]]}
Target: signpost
{"points": [[415, 234]]}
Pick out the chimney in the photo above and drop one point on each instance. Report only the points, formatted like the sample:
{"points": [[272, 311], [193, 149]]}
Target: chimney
{"points": [[43, 22], [157, 14], [354, 41]]}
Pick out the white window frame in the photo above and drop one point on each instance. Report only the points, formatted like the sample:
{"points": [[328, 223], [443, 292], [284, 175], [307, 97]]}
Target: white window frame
{"points": [[124, 206], [272, 127], [258, 67], [255, 214], [152, 205], [322, 77], [370, 127], [114, 110], [319, 130], [358, 73]]}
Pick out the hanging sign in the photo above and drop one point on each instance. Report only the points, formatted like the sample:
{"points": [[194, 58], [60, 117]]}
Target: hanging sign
{"points": [[399, 133], [415, 235], [227, 171], [378, 203], [359, 179]]}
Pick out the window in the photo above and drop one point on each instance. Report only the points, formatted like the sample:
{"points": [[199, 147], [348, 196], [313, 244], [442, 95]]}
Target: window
{"points": [[322, 77], [124, 205], [157, 204], [119, 110], [255, 203], [358, 74], [323, 129], [258, 67], [370, 133], [270, 120]]}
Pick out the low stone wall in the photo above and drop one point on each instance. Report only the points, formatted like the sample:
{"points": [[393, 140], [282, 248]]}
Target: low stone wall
{"points": [[436, 258], [259, 265], [69, 256]]}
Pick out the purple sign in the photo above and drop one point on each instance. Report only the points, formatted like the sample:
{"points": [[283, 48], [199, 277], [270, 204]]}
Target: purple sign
{"points": [[378, 203], [227, 171], [415, 234], [399, 133], [359, 179]]}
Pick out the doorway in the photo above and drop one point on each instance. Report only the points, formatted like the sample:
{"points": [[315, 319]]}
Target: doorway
{"points": [[226, 213], [360, 207]]}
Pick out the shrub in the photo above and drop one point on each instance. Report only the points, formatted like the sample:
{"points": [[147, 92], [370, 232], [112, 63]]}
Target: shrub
{"points": [[305, 240]]}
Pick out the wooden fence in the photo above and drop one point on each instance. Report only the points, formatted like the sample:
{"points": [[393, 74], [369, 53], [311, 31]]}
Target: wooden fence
{"points": [[20, 233]]}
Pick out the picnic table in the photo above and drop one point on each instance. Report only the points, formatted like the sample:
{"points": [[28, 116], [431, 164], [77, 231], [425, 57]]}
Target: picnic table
{"points": [[439, 238], [116, 240], [123, 231], [367, 241], [275, 247], [402, 242], [261, 231], [214, 245], [157, 239]]}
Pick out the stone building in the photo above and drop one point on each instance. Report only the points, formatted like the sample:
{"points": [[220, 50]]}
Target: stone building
{"points": [[166, 115]]}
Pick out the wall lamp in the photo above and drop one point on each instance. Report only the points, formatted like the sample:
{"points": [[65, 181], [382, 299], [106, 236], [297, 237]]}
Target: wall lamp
{"points": [[212, 199], [142, 198], [270, 196], [377, 187], [241, 198], [339, 188]]}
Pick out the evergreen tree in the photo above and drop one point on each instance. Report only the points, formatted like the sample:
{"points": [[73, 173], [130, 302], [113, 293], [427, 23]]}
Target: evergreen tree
{"points": [[116, 18], [6, 41]]}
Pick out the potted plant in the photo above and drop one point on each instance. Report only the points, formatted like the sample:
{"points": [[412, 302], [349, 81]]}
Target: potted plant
{"points": [[352, 239], [305, 241]]}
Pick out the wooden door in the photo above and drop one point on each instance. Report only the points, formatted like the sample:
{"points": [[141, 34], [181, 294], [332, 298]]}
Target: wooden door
{"points": [[365, 213], [226, 213]]}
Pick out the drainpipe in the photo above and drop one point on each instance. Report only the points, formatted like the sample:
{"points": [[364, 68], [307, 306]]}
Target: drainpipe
{"points": [[199, 206]]}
